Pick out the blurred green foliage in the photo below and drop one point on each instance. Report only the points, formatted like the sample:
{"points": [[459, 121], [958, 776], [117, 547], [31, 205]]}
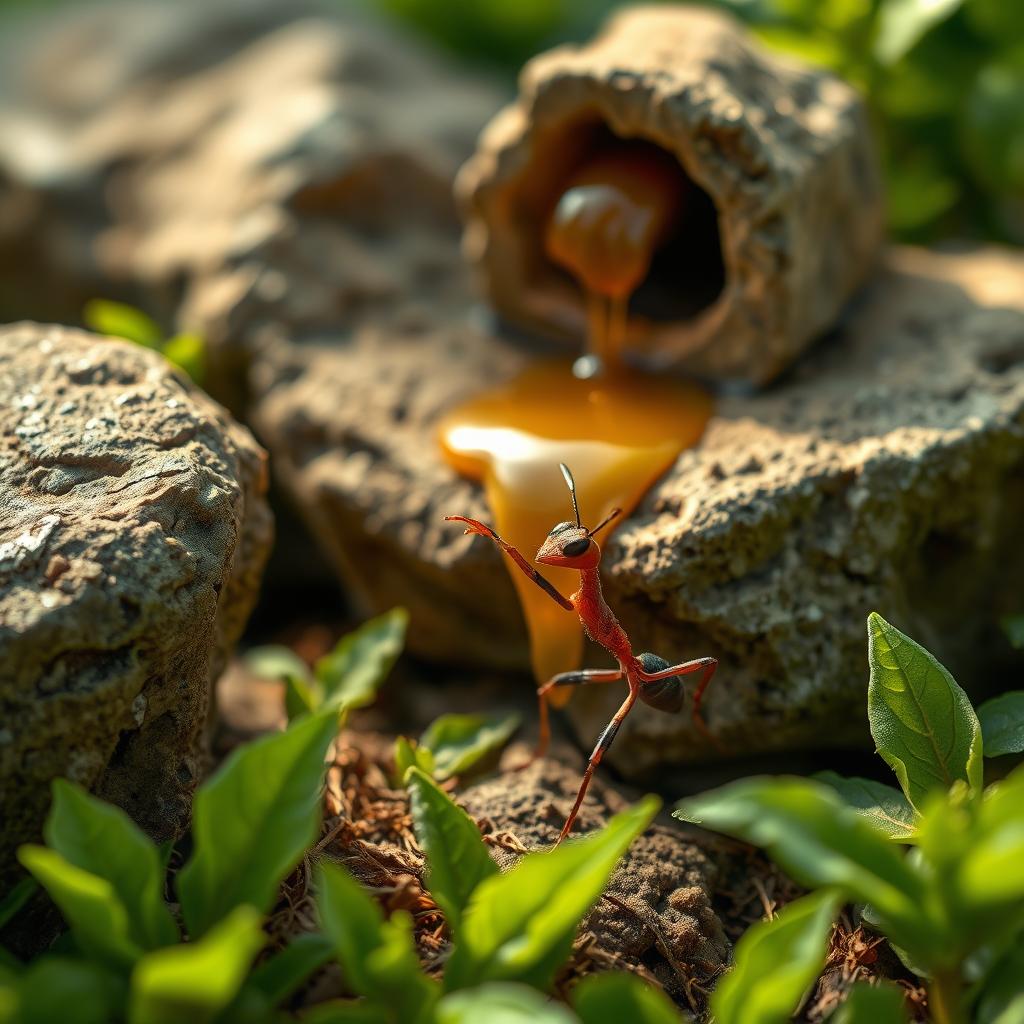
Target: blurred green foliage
{"points": [[944, 81]]}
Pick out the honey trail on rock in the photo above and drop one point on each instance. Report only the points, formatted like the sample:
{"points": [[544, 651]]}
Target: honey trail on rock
{"points": [[617, 428]]}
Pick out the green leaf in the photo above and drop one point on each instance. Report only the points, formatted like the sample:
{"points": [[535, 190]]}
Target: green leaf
{"points": [[275, 661], [15, 898], [990, 871], [1002, 724], [776, 962], [187, 351], [377, 956], [617, 996], [806, 828], [918, 193], [120, 321], [1002, 998], [195, 981], [277, 978], [871, 1004], [348, 1011], [923, 724], [56, 988], [302, 695], [903, 22], [252, 821], [506, 1003], [885, 807], [992, 124], [89, 904], [9, 998], [460, 741], [409, 753], [352, 673], [1013, 627], [457, 859], [519, 926], [101, 839]]}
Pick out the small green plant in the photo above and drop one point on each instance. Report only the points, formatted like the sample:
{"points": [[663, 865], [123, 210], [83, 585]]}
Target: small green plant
{"points": [[455, 744], [185, 350], [124, 958], [348, 677], [953, 907]]}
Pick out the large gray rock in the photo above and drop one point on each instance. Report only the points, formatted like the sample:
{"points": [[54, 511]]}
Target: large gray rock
{"points": [[230, 167], [882, 473], [133, 536], [783, 210]]}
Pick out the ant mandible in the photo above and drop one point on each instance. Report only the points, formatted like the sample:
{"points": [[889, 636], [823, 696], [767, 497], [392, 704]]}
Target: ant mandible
{"points": [[650, 678]]}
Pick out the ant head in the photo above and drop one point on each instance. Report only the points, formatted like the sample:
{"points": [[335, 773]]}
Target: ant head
{"points": [[572, 545]]}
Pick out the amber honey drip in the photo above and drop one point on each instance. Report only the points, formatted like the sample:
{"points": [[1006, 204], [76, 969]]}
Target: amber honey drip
{"points": [[617, 429]]}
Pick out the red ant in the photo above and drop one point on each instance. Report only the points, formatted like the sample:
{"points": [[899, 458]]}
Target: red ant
{"points": [[650, 678]]}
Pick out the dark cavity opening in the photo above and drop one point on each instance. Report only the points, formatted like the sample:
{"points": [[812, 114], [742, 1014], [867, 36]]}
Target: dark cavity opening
{"points": [[687, 274]]}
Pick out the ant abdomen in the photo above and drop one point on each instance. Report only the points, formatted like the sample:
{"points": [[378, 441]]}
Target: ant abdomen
{"points": [[663, 694]]}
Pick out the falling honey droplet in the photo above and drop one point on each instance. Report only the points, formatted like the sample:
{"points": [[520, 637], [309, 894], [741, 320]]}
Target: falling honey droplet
{"points": [[618, 430], [615, 212]]}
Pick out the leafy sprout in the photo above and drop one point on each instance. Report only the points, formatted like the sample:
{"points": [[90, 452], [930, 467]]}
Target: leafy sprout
{"points": [[954, 908], [186, 350], [346, 678]]}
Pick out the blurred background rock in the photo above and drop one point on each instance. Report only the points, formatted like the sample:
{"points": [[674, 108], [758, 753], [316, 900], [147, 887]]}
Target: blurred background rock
{"points": [[944, 79]]}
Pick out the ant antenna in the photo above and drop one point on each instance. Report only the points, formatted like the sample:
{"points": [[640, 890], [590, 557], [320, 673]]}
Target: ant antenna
{"points": [[615, 512], [571, 484]]}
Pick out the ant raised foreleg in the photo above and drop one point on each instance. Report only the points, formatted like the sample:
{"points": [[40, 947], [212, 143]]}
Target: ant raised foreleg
{"points": [[474, 526]]}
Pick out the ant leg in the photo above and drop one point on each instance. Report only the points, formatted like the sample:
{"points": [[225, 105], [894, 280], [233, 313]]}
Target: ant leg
{"points": [[473, 526], [706, 666], [603, 743], [579, 678]]}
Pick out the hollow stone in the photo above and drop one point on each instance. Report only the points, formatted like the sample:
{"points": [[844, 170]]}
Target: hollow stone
{"points": [[871, 477], [133, 536], [781, 151]]}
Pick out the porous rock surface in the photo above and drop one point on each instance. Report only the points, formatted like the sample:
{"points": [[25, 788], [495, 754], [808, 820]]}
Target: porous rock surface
{"points": [[783, 151], [884, 472], [230, 166], [133, 536], [656, 912]]}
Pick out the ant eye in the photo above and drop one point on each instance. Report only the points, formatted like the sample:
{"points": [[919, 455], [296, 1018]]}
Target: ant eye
{"points": [[576, 547]]}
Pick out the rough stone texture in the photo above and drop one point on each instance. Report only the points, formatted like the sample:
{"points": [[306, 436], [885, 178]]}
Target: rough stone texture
{"points": [[133, 535], [233, 166], [885, 472], [657, 909], [783, 151]]}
